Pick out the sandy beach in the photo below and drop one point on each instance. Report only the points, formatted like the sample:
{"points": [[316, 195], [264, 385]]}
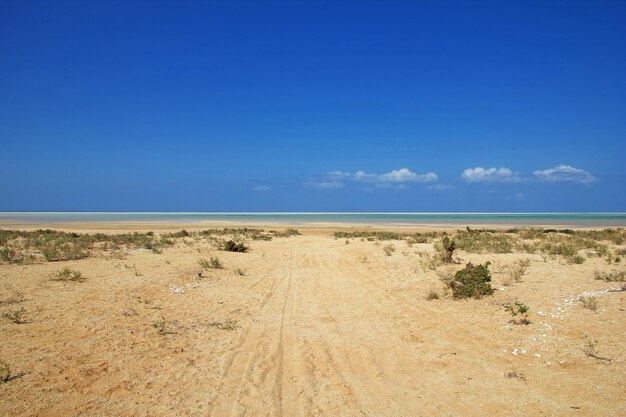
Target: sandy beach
{"points": [[307, 325]]}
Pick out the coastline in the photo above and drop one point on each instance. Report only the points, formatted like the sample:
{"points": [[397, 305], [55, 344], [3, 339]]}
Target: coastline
{"points": [[308, 220]]}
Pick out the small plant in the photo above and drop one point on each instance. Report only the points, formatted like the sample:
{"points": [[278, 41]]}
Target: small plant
{"points": [[575, 259], [67, 274], [5, 372], [215, 263], [16, 296], [204, 264], [518, 309], [389, 249], [449, 247], [515, 374], [518, 269], [228, 325], [162, 326], [232, 246], [590, 303], [240, 272], [472, 281], [432, 295], [613, 276], [15, 316], [589, 349]]}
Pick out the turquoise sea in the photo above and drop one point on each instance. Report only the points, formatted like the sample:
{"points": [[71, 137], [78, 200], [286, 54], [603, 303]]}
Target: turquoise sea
{"points": [[417, 219]]}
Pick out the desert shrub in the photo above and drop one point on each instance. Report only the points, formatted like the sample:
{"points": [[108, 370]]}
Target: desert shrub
{"points": [[448, 246], [518, 309], [232, 246], [518, 269], [215, 263], [590, 303], [576, 259], [432, 295], [389, 249], [67, 274], [228, 325], [15, 316], [5, 372], [204, 264], [240, 271], [589, 348], [472, 281], [612, 276]]}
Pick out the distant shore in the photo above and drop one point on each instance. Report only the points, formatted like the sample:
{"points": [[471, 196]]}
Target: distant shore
{"points": [[172, 220]]}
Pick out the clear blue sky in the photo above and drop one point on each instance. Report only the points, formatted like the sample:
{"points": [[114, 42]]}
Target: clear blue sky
{"points": [[313, 106]]}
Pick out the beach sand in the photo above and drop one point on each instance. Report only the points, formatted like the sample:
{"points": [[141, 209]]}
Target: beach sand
{"points": [[314, 327]]}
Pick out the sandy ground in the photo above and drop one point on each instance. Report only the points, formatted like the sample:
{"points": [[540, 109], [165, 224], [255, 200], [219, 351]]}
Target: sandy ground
{"points": [[315, 327]]}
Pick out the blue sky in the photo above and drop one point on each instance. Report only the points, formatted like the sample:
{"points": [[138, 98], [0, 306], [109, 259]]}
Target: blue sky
{"points": [[313, 106]]}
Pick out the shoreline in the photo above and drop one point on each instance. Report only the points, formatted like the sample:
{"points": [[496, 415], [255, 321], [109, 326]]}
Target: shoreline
{"points": [[310, 227]]}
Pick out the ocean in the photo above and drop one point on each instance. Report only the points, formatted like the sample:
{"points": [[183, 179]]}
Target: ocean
{"points": [[295, 218]]}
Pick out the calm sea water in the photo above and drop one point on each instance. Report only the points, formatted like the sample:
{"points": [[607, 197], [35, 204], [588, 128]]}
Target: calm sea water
{"points": [[564, 219]]}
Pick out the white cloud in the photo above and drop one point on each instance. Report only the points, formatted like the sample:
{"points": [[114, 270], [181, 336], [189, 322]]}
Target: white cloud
{"points": [[262, 188], [565, 173], [401, 175], [396, 178], [325, 185], [480, 174]]}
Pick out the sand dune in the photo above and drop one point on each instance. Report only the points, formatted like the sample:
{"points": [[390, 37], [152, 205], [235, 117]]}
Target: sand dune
{"points": [[315, 327]]}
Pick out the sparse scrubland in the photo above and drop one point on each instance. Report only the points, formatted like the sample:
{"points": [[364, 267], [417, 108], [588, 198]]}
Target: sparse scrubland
{"points": [[247, 321]]}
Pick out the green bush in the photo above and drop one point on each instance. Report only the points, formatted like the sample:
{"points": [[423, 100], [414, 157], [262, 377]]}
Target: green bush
{"points": [[232, 246], [473, 281], [67, 274]]}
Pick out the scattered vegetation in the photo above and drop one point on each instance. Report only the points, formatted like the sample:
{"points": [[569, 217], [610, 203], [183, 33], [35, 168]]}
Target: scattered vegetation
{"points": [[240, 272], [286, 233], [15, 316], [18, 246], [384, 235], [518, 309], [473, 281], [67, 274]]}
